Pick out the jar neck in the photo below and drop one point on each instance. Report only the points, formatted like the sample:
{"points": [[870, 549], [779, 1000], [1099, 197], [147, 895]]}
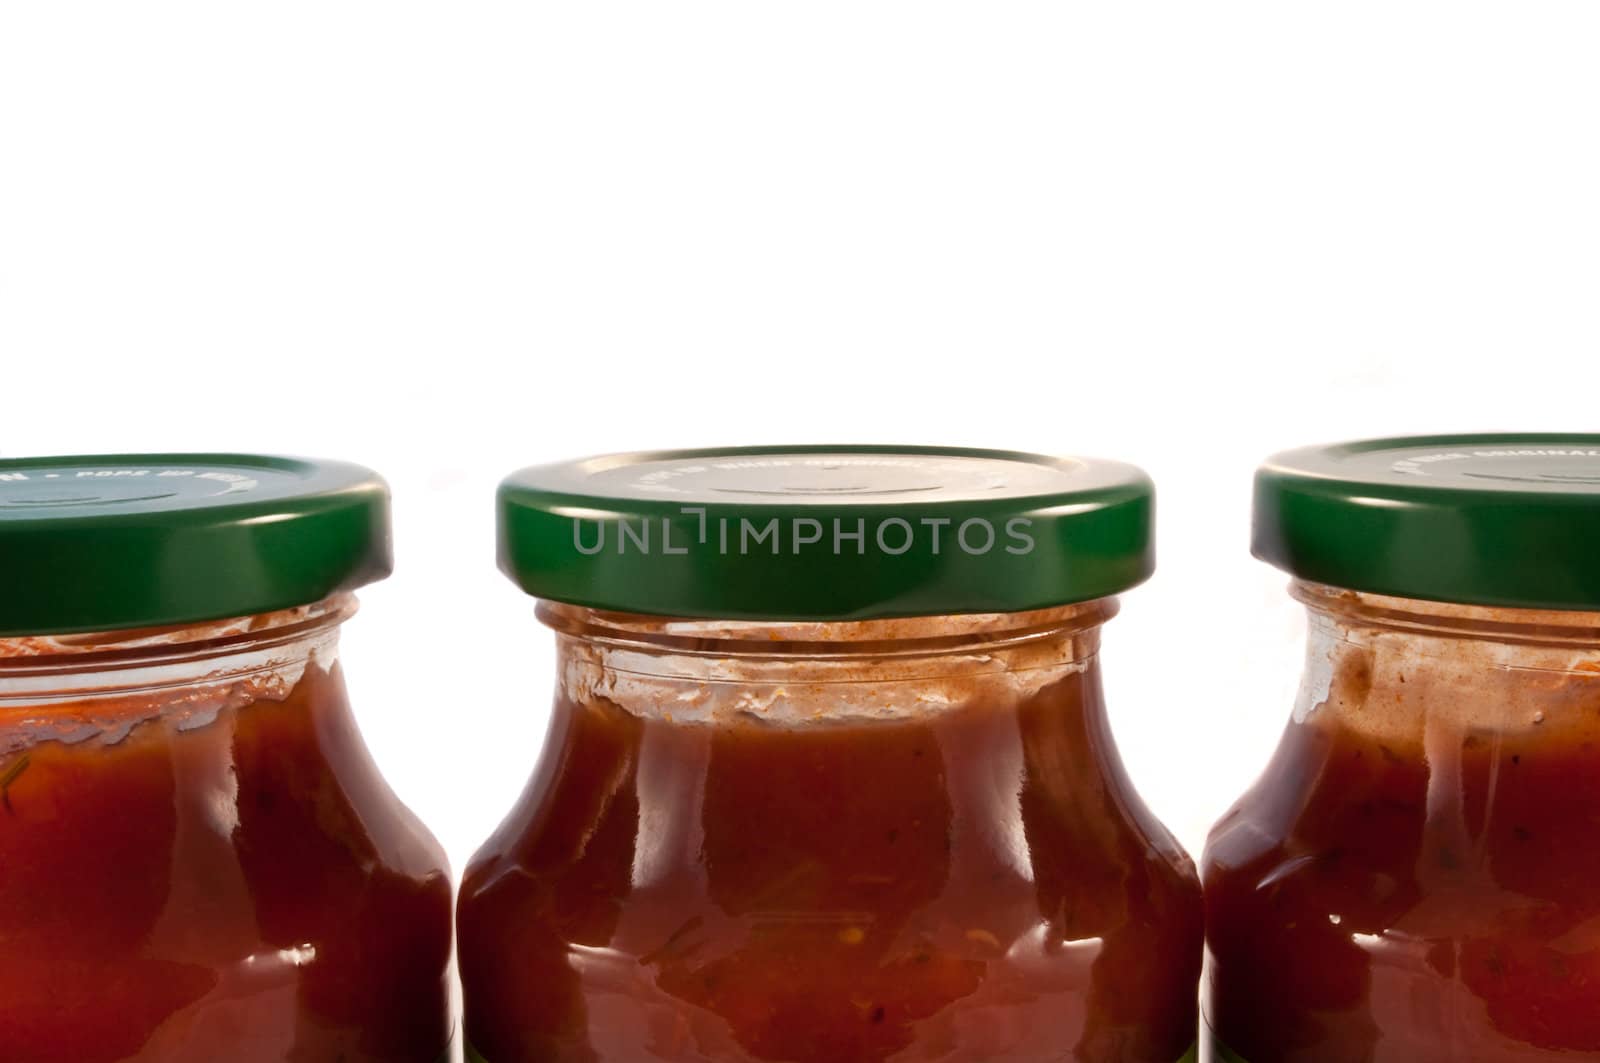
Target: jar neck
{"points": [[137, 668], [1396, 667], [722, 671]]}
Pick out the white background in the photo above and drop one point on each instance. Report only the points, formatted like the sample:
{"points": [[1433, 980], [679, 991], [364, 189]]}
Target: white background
{"points": [[447, 240]]}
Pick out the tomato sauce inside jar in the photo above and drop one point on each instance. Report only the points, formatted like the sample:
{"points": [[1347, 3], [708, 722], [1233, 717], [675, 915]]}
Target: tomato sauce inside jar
{"points": [[817, 839]]}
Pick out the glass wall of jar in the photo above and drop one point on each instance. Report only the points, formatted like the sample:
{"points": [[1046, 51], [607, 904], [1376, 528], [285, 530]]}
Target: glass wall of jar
{"points": [[1414, 877], [839, 794], [199, 860]]}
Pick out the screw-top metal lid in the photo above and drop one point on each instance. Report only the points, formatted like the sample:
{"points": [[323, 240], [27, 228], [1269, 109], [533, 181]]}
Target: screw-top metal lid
{"points": [[1511, 520], [826, 532], [141, 540]]}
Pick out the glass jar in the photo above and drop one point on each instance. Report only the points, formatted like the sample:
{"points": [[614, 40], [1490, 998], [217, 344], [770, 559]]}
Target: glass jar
{"points": [[1414, 877], [822, 834], [199, 860]]}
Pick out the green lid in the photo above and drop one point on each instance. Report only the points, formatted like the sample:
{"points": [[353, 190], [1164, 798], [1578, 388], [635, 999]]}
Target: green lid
{"points": [[1511, 520], [826, 532], [140, 540]]}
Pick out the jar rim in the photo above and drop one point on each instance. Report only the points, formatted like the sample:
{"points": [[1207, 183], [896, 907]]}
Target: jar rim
{"points": [[887, 636], [147, 646], [1553, 627]]}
